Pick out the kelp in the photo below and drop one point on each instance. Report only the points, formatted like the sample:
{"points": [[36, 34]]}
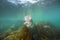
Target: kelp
{"points": [[38, 32]]}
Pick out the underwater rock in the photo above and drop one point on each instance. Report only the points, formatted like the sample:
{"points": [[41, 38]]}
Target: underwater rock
{"points": [[23, 34], [3, 35], [12, 36], [46, 30], [41, 31]]}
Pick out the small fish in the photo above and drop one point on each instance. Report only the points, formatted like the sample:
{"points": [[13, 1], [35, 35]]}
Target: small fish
{"points": [[28, 20]]}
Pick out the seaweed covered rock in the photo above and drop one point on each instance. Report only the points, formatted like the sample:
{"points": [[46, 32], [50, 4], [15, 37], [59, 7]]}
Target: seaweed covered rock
{"points": [[12, 36], [25, 33], [22, 34], [46, 31], [41, 31]]}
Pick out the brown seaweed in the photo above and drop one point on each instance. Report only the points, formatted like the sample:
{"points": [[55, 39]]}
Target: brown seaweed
{"points": [[38, 32]]}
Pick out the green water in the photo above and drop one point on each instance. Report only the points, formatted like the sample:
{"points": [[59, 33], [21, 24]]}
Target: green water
{"points": [[38, 14], [47, 14]]}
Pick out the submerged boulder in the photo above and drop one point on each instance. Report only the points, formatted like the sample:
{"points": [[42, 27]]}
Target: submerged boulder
{"points": [[22, 34], [41, 31]]}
